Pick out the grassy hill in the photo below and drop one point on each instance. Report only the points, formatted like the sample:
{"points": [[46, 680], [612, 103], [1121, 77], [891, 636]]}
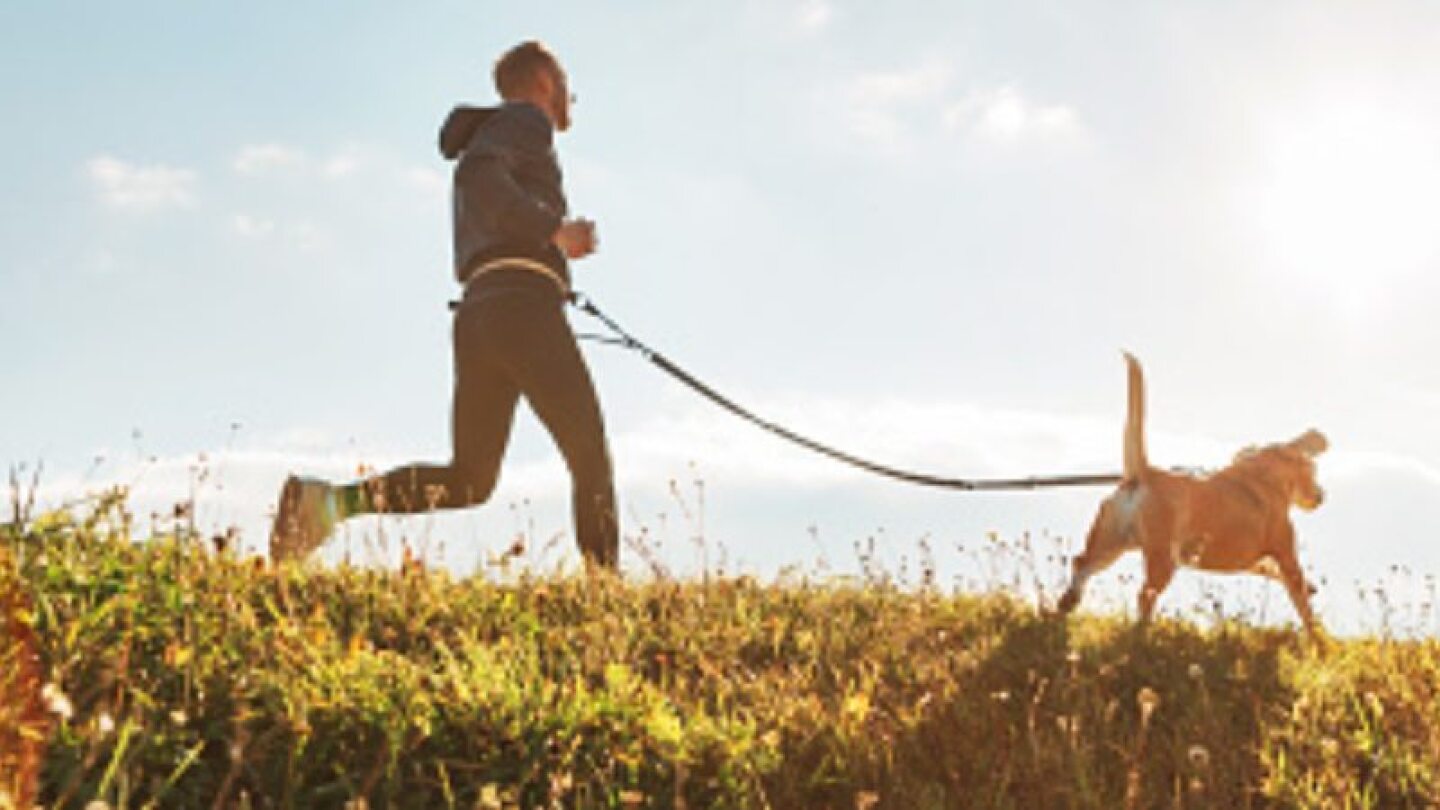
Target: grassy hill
{"points": [[168, 673]]}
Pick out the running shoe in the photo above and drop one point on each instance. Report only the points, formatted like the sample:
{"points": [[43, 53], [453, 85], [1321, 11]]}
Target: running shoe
{"points": [[304, 518]]}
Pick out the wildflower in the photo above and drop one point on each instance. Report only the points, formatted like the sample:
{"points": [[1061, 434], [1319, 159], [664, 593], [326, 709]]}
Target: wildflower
{"points": [[177, 655], [856, 707], [1199, 757], [1197, 672], [104, 724], [1065, 723], [178, 717], [57, 701], [1073, 657], [1001, 696], [560, 784], [1148, 700]]}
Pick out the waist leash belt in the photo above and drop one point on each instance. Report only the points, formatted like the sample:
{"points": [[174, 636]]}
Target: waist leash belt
{"points": [[517, 263]]}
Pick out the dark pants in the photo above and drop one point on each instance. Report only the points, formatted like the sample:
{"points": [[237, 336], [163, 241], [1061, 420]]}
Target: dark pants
{"points": [[511, 339]]}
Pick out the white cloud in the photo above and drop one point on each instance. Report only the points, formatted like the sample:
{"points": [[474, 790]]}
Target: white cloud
{"points": [[424, 179], [341, 165], [302, 235], [251, 227], [296, 206], [103, 263], [884, 108], [131, 187], [897, 111], [925, 82], [260, 158], [1003, 115], [813, 15], [1362, 464], [309, 237]]}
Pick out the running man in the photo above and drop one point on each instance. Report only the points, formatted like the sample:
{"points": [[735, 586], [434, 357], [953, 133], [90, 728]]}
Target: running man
{"points": [[513, 243]]}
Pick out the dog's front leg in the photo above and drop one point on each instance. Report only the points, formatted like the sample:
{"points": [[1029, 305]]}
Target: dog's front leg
{"points": [[1296, 585]]}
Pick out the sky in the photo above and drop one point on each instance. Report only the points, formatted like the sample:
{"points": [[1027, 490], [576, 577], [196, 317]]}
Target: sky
{"points": [[920, 231]]}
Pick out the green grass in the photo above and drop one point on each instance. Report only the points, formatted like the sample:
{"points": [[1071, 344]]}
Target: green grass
{"points": [[180, 676]]}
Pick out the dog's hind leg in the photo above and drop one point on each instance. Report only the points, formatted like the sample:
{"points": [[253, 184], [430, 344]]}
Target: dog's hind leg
{"points": [[1159, 570], [1087, 565], [1103, 546], [1111, 534]]}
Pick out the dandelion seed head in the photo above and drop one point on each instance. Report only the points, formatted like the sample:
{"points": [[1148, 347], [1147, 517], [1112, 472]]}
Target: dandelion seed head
{"points": [[1065, 723], [1376, 706], [1149, 701], [57, 701]]}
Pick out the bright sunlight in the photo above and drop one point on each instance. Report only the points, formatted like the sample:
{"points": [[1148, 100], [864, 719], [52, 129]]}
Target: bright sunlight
{"points": [[1348, 200]]}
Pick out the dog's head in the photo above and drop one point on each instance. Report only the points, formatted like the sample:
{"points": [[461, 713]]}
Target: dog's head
{"points": [[1291, 465]]}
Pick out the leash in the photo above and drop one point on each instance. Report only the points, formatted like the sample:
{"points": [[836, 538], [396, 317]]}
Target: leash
{"points": [[625, 340]]}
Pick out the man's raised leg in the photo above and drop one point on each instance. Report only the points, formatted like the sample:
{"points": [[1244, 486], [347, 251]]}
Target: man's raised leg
{"points": [[482, 412]]}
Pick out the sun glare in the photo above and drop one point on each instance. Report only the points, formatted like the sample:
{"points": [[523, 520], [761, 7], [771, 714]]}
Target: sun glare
{"points": [[1348, 203]]}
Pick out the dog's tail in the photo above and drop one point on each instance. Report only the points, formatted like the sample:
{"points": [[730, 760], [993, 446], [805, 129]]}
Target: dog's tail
{"points": [[1135, 460]]}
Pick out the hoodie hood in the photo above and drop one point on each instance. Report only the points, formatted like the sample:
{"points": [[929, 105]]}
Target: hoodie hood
{"points": [[459, 126]]}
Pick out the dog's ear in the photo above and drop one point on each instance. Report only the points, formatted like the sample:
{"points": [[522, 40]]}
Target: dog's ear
{"points": [[1312, 443]]}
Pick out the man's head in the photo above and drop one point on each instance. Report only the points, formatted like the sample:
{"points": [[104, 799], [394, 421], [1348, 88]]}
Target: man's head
{"points": [[530, 72]]}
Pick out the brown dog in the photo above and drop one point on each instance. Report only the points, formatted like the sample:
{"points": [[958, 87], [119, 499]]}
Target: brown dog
{"points": [[1237, 519]]}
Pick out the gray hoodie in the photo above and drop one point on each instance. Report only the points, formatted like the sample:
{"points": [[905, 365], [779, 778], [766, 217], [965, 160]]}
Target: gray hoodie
{"points": [[508, 198]]}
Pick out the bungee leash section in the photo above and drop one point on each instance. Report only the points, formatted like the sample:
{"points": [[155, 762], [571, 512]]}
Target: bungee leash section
{"points": [[626, 340]]}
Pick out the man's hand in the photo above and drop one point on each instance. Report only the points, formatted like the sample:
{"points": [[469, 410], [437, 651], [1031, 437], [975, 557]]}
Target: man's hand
{"points": [[575, 238]]}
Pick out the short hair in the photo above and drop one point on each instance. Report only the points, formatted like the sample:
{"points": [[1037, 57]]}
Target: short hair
{"points": [[517, 68]]}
